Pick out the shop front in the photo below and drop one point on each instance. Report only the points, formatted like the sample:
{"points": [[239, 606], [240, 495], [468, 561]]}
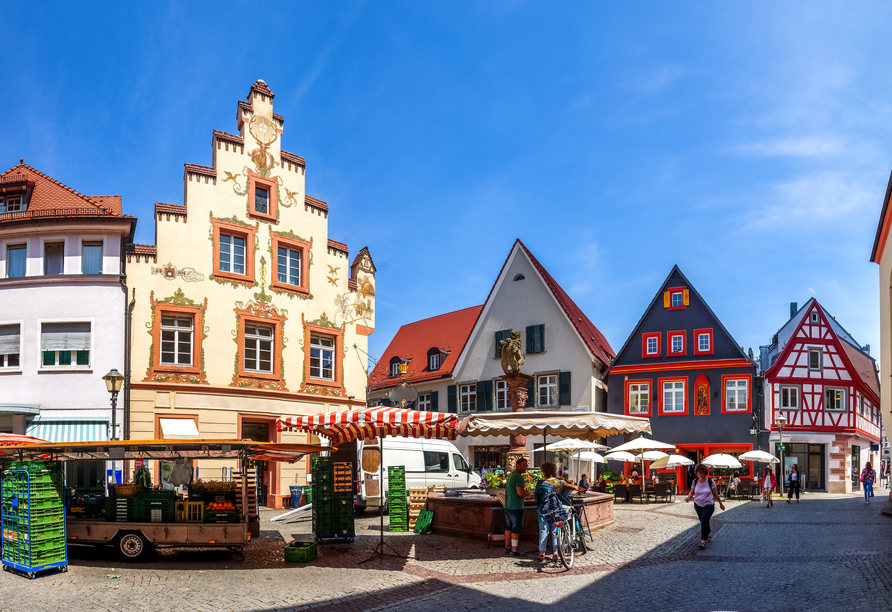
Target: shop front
{"points": [[490, 456], [810, 460], [683, 476]]}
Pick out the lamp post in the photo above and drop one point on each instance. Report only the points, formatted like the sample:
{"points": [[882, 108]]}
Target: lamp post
{"points": [[780, 421], [113, 382]]}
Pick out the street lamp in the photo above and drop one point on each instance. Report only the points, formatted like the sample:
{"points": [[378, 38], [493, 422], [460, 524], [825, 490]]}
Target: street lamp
{"points": [[114, 380], [780, 421]]}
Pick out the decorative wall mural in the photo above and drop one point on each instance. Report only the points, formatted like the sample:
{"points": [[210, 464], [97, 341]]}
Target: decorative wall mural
{"points": [[264, 131], [333, 279], [171, 272]]}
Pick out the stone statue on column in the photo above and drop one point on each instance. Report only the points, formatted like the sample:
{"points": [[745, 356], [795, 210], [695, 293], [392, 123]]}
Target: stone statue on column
{"points": [[516, 381]]}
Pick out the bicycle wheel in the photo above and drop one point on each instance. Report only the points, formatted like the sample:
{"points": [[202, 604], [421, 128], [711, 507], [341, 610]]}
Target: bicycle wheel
{"points": [[565, 545]]}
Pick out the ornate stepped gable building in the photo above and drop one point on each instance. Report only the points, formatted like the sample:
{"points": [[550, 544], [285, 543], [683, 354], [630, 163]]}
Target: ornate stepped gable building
{"points": [[681, 368], [62, 304], [454, 361], [245, 309], [825, 385]]}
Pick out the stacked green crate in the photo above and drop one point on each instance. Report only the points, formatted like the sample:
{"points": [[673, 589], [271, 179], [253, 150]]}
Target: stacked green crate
{"points": [[396, 498], [33, 516], [156, 506], [122, 509], [332, 495]]}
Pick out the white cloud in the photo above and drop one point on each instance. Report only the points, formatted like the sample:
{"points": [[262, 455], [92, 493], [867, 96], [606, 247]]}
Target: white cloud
{"points": [[793, 147]]}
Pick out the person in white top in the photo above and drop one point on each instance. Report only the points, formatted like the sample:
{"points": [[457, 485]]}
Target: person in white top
{"points": [[704, 494], [795, 483]]}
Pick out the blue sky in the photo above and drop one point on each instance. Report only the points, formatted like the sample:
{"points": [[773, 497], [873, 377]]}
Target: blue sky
{"points": [[750, 143]]}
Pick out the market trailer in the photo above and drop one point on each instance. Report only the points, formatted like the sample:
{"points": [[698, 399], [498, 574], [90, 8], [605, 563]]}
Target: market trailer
{"points": [[132, 540]]}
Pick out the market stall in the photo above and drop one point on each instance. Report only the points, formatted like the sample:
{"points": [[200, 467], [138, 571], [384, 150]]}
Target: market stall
{"points": [[137, 517]]}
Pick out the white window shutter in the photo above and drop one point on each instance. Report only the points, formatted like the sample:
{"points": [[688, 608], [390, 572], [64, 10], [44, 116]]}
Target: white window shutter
{"points": [[65, 337], [9, 339]]}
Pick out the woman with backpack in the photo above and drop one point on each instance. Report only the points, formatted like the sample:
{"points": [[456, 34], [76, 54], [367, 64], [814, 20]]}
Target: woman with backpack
{"points": [[704, 494], [868, 477], [544, 489], [769, 484]]}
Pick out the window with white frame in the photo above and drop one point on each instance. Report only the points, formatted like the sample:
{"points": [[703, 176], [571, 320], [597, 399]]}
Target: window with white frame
{"points": [[789, 398], [468, 397], [395, 368], [673, 396], [703, 342], [232, 254], [322, 357], [736, 395], [834, 399], [814, 317], [424, 402], [653, 346], [176, 340], [16, 259], [91, 258], [11, 204], [815, 359], [677, 345], [502, 395], [65, 344], [639, 398], [548, 389], [10, 345], [288, 266], [677, 299], [258, 348], [53, 258], [433, 362]]}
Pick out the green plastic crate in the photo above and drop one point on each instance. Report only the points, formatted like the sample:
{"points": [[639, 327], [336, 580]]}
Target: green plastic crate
{"points": [[300, 552]]}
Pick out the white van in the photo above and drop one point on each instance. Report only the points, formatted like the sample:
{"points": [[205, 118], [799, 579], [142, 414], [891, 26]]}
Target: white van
{"points": [[427, 462]]}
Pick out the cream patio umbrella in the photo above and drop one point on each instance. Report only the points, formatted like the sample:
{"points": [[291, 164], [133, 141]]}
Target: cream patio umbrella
{"points": [[643, 444], [758, 456], [670, 461], [572, 445], [651, 455], [721, 460], [621, 456]]}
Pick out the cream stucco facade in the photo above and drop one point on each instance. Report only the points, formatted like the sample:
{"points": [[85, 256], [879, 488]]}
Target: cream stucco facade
{"points": [[242, 283]]}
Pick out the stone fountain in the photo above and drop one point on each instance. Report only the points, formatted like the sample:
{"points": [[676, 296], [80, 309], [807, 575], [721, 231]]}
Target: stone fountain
{"points": [[516, 380]]}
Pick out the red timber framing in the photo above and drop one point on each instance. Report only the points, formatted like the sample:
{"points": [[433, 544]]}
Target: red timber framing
{"points": [[791, 376]]}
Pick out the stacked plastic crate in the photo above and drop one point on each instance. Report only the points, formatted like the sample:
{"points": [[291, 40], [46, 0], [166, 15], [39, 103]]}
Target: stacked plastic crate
{"points": [[417, 503], [332, 486], [34, 536], [396, 498], [156, 506]]}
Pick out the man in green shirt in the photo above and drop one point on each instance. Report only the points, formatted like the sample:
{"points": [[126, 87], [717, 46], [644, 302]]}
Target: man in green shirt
{"points": [[515, 494]]}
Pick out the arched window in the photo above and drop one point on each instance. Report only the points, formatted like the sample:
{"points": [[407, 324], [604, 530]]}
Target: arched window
{"points": [[519, 277]]}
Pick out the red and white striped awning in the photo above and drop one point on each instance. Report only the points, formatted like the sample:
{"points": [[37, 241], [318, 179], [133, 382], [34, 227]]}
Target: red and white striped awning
{"points": [[372, 422]]}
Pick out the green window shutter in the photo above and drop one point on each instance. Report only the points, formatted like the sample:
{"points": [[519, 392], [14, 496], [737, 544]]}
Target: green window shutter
{"points": [[452, 399], [503, 334], [539, 338], [531, 343], [531, 393], [435, 401], [564, 388], [484, 395]]}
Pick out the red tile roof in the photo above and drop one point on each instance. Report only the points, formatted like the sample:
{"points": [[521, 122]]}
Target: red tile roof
{"points": [[362, 252], [864, 365], [142, 249], [229, 137], [261, 87], [311, 201], [592, 337], [338, 246], [447, 332], [170, 209], [202, 170], [52, 198], [294, 159]]}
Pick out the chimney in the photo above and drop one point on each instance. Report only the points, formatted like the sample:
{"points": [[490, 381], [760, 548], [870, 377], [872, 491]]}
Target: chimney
{"points": [[794, 308]]}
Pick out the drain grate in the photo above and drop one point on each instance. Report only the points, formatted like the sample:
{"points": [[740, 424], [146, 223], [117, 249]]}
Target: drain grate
{"points": [[629, 529]]}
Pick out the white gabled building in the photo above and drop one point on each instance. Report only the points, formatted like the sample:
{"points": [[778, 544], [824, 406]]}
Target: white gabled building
{"points": [[62, 312]]}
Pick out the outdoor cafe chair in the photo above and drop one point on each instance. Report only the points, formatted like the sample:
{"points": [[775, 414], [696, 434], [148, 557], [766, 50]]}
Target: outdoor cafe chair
{"points": [[635, 491], [619, 492], [660, 492]]}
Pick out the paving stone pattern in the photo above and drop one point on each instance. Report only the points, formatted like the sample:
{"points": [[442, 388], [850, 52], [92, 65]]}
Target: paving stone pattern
{"points": [[829, 552]]}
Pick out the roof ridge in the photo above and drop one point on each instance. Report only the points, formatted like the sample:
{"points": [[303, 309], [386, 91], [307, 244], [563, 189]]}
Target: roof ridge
{"points": [[63, 185], [442, 314]]}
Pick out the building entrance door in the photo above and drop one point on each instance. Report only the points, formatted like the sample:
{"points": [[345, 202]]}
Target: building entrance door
{"points": [[856, 468], [259, 432]]}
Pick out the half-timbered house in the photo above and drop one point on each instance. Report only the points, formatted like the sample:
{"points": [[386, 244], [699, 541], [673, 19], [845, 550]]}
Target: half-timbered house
{"points": [[825, 386]]}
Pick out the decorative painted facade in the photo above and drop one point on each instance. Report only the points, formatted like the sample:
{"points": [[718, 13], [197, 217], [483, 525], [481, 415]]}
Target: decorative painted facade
{"points": [[245, 309], [564, 351], [62, 303], [883, 259], [682, 369], [825, 386]]}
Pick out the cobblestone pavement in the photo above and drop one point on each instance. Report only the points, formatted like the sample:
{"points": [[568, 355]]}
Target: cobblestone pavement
{"points": [[829, 552]]}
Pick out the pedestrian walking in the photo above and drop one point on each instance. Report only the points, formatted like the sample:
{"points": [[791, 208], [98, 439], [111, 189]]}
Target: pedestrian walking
{"points": [[769, 484], [795, 483], [515, 495], [868, 477], [704, 494]]}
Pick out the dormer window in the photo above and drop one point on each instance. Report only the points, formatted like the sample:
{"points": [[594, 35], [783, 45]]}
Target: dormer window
{"points": [[10, 204], [434, 362], [398, 366], [395, 369]]}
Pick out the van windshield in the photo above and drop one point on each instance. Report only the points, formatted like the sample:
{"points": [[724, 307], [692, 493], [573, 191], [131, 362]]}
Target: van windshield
{"points": [[460, 464]]}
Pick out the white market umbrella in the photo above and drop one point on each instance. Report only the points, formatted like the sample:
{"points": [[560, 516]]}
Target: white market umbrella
{"points": [[643, 444], [759, 457], [621, 456], [721, 460], [670, 461], [572, 444], [591, 456], [651, 455]]}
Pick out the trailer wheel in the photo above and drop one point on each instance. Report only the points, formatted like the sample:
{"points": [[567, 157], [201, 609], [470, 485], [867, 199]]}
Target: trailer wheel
{"points": [[132, 546]]}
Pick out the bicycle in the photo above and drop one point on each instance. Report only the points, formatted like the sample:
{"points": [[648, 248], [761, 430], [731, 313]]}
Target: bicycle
{"points": [[567, 527]]}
